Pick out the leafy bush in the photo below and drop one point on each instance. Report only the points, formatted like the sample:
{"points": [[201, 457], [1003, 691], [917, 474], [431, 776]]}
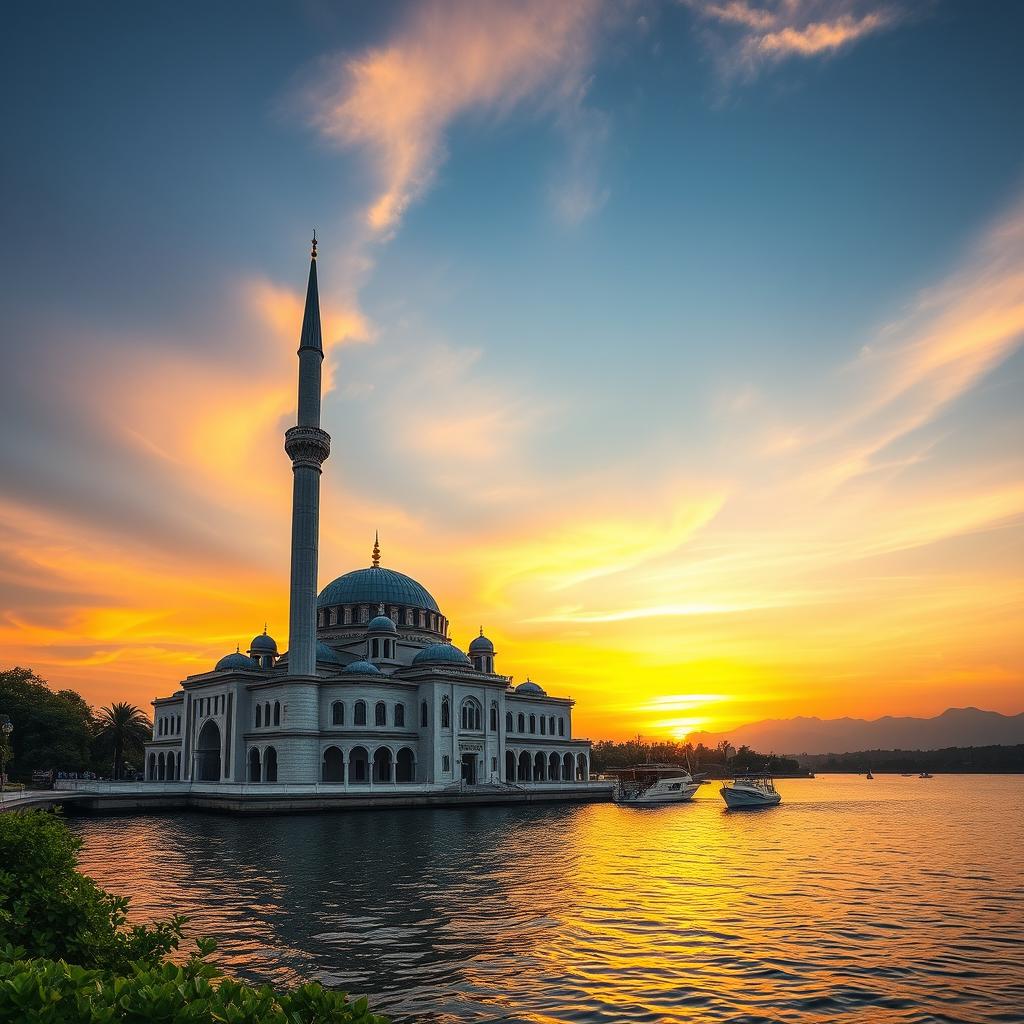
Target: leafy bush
{"points": [[53, 992], [52, 910]]}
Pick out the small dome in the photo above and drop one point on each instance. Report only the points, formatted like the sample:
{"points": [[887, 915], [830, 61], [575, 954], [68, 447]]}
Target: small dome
{"points": [[381, 624], [361, 668], [328, 654], [442, 654], [235, 660], [531, 687], [481, 645], [263, 644]]}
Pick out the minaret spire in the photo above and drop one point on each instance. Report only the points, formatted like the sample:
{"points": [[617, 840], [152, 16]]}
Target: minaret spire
{"points": [[376, 549], [308, 446]]}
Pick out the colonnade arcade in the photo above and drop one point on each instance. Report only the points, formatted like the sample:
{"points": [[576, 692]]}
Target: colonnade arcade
{"points": [[545, 766], [164, 767], [360, 766]]}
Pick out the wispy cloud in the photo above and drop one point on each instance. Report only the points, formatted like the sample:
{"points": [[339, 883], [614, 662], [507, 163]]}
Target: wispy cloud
{"points": [[748, 35], [397, 101]]}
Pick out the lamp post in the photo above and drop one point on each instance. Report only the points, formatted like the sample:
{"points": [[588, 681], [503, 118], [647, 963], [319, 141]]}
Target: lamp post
{"points": [[6, 728]]}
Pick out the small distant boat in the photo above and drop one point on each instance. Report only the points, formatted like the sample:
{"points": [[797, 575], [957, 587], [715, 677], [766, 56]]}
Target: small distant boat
{"points": [[925, 775], [749, 791], [869, 775], [654, 784]]}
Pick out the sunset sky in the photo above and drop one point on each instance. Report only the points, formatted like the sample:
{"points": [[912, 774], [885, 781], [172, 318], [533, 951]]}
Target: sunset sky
{"points": [[677, 344]]}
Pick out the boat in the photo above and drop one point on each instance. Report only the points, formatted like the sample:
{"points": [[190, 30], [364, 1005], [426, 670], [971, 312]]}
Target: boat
{"points": [[654, 784], [925, 775], [749, 791], [869, 775]]}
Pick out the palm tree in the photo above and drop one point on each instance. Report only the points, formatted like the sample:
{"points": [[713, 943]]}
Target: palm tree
{"points": [[123, 723]]}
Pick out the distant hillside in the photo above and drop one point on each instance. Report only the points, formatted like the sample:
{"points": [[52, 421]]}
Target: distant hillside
{"points": [[955, 727]]}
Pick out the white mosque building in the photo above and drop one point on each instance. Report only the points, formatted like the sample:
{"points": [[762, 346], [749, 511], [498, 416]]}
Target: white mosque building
{"points": [[371, 694]]}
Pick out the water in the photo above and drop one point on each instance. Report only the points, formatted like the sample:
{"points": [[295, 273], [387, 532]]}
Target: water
{"points": [[899, 899]]}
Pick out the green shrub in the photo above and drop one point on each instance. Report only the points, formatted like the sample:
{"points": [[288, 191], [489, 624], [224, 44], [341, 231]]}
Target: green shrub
{"points": [[53, 992], [51, 910]]}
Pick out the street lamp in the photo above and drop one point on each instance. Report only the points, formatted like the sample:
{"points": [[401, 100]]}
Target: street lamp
{"points": [[6, 727]]}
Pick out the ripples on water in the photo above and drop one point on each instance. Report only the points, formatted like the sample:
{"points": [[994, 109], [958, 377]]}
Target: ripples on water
{"points": [[894, 900]]}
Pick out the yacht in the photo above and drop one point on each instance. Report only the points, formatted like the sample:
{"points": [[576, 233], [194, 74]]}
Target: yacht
{"points": [[869, 775], [654, 784], [750, 791], [925, 775]]}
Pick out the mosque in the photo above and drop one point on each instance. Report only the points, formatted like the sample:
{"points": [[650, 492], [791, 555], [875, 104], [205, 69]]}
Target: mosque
{"points": [[371, 695]]}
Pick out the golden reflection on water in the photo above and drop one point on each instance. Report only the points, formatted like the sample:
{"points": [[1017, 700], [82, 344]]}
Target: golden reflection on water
{"points": [[893, 900]]}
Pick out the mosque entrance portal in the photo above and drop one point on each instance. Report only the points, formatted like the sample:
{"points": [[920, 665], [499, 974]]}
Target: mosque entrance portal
{"points": [[469, 769], [208, 753]]}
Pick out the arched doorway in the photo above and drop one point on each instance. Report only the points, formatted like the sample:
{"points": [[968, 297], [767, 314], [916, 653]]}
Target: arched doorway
{"points": [[524, 766], [567, 768], [254, 765], [333, 768], [358, 765], [510, 765], [581, 768], [382, 765], [405, 766], [539, 763], [270, 764], [554, 767], [208, 752], [161, 770], [152, 767]]}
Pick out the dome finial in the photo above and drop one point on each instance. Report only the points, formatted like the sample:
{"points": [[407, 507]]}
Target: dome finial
{"points": [[313, 253], [376, 549], [264, 629], [481, 630], [380, 608]]}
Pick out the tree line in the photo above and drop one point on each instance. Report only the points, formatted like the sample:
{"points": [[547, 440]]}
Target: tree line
{"points": [[57, 730], [721, 760], [986, 760]]}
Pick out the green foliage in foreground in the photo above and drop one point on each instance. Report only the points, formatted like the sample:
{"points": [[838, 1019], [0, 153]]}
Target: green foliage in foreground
{"points": [[53, 992], [68, 956]]}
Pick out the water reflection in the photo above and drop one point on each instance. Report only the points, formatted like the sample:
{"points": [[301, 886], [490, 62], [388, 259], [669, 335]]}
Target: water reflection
{"points": [[852, 900]]}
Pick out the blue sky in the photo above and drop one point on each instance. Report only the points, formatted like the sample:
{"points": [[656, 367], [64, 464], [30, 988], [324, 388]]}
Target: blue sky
{"points": [[687, 272]]}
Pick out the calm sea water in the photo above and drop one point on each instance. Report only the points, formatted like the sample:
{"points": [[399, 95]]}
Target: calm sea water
{"points": [[899, 899]]}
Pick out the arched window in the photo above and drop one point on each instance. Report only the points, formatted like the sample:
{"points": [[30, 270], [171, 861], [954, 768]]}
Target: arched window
{"points": [[405, 766], [424, 715], [551, 725], [494, 717], [533, 723], [277, 712], [374, 648], [400, 716], [561, 727], [152, 767], [266, 713], [543, 726], [380, 714], [446, 763], [446, 714], [333, 767], [348, 617], [521, 722], [338, 713], [471, 714], [409, 617], [360, 713], [259, 715], [270, 764], [254, 765], [161, 768], [358, 765], [177, 725], [508, 721]]}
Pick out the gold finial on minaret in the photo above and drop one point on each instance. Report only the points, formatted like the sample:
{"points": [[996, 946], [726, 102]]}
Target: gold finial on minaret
{"points": [[313, 253], [376, 549], [481, 630]]}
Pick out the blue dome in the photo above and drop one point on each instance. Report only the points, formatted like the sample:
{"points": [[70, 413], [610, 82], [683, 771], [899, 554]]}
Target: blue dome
{"points": [[374, 586], [481, 645], [363, 668], [235, 660], [442, 654], [328, 654], [530, 687], [263, 644], [381, 624]]}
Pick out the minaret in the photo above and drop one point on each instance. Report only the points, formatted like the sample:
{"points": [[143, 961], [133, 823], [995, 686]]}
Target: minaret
{"points": [[308, 446]]}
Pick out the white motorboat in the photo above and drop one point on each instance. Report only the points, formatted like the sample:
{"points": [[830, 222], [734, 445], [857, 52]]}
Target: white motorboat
{"points": [[654, 784], [749, 791]]}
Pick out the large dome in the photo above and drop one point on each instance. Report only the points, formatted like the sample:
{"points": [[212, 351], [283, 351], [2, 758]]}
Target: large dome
{"points": [[375, 586]]}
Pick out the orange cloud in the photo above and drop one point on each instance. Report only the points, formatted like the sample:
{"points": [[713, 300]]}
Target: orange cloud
{"points": [[397, 101]]}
